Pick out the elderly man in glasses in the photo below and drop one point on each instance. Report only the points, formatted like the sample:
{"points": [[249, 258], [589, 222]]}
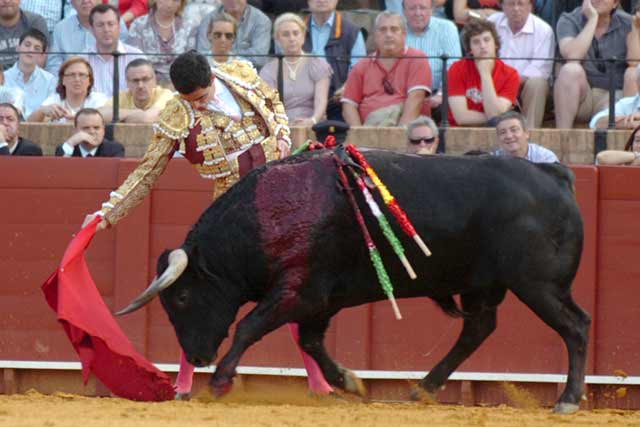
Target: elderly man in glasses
{"points": [[422, 136], [596, 31], [389, 88]]}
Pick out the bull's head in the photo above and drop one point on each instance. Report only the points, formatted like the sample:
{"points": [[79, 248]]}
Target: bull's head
{"points": [[195, 302]]}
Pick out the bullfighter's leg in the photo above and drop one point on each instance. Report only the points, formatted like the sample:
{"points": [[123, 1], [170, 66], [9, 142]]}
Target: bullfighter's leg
{"points": [[572, 323], [312, 342], [317, 383], [184, 380], [479, 323]]}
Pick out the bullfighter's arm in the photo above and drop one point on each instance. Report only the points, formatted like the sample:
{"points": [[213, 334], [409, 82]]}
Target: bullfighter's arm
{"points": [[138, 185], [282, 132]]}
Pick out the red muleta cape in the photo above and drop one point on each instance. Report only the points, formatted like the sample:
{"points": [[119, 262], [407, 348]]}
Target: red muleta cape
{"points": [[94, 333]]}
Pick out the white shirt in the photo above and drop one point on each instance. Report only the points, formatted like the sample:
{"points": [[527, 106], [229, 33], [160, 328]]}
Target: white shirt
{"points": [[103, 67], [534, 40], [224, 101], [68, 150], [94, 100], [535, 154], [624, 107]]}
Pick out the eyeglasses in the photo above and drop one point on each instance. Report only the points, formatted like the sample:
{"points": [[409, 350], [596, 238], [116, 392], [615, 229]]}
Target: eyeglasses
{"points": [[77, 76], [416, 141], [388, 87], [218, 35]]}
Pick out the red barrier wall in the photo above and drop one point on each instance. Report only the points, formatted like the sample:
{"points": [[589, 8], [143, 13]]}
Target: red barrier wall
{"points": [[45, 199]]}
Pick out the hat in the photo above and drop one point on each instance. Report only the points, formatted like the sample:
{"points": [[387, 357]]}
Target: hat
{"points": [[331, 127]]}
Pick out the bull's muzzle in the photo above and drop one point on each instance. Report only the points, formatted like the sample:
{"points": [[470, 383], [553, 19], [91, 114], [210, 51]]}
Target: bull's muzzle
{"points": [[178, 261]]}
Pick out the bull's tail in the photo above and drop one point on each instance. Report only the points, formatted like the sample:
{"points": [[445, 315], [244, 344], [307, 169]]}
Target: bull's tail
{"points": [[449, 306]]}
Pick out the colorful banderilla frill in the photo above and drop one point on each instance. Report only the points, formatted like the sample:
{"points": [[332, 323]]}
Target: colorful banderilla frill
{"points": [[384, 224], [388, 198], [376, 260]]}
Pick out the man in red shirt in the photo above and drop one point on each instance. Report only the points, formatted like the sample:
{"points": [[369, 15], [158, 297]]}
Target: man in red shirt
{"points": [[389, 88], [482, 87]]}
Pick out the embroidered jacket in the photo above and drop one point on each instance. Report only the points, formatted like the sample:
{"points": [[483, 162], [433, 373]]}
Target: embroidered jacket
{"points": [[210, 140]]}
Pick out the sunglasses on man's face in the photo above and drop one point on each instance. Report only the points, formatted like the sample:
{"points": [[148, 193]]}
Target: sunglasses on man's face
{"points": [[388, 87], [416, 141], [218, 35]]}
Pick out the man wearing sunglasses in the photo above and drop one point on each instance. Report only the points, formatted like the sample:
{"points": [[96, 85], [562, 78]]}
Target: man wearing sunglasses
{"points": [[422, 136], [590, 34]]}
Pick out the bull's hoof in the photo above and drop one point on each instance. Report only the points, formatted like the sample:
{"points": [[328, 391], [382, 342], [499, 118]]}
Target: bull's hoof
{"points": [[220, 388], [183, 396], [566, 408], [353, 384], [418, 394]]}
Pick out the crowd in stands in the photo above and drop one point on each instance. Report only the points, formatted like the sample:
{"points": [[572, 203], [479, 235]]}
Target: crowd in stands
{"points": [[549, 60]]}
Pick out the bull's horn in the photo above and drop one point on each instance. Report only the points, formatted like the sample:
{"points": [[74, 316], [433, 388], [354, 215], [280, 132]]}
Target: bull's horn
{"points": [[178, 261]]}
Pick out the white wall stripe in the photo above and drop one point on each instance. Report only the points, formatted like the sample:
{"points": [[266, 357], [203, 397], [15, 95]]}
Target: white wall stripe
{"points": [[364, 374]]}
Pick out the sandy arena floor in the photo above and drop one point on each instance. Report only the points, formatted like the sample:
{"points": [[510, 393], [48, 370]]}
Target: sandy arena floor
{"points": [[268, 409]]}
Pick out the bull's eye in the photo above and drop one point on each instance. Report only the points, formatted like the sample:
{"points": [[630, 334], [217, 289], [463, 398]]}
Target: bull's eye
{"points": [[182, 299]]}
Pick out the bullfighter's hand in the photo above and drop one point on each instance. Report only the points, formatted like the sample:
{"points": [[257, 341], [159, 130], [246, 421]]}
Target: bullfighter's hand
{"points": [[89, 218], [283, 148]]}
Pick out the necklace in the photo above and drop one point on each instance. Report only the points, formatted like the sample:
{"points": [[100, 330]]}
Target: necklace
{"points": [[293, 70], [164, 27]]}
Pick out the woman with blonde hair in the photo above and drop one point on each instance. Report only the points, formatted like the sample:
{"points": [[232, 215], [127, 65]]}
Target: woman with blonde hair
{"points": [[306, 79], [164, 34], [73, 93]]}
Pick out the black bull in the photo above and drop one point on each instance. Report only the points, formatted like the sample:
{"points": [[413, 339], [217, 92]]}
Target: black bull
{"points": [[286, 238]]}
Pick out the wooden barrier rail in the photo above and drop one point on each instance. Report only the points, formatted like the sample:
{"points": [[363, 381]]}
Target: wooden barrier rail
{"points": [[45, 200]]}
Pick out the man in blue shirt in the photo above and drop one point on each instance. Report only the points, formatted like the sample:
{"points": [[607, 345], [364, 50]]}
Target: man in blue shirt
{"points": [[36, 83], [435, 37], [332, 35]]}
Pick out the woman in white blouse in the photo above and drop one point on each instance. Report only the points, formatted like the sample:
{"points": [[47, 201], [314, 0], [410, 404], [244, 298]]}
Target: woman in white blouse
{"points": [[73, 93]]}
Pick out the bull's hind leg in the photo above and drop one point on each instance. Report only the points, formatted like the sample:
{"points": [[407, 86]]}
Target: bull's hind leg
{"points": [[479, 323], [572, 323], [312, 342]]}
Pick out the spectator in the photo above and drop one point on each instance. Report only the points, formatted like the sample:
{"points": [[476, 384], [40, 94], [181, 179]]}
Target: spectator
{"points": [[105, 25], [253, 35], [222, 32], [627, 112], [462, 10], [36, 83], [389, 88], [162, 31], [435, 37], [13, 23], [144, 99], [397, 6], [72, 36], [524, 35], [73, 93], [331, 34], [422, 136], [480, 87], [10, 143], [132, 9], [88, 138], [513, 139], [195, 10], [629, 156], [593, 32], [51, 10], [306, 79]]}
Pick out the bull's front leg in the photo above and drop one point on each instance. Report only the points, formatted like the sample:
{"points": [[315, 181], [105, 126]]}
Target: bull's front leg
{"points": [[268, 315]]}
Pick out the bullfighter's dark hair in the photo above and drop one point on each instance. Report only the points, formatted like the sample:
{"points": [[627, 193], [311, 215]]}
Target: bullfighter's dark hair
{"points": [[103, 8], [190, 71], [35, 33], [475, 27], [629, 145]]}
